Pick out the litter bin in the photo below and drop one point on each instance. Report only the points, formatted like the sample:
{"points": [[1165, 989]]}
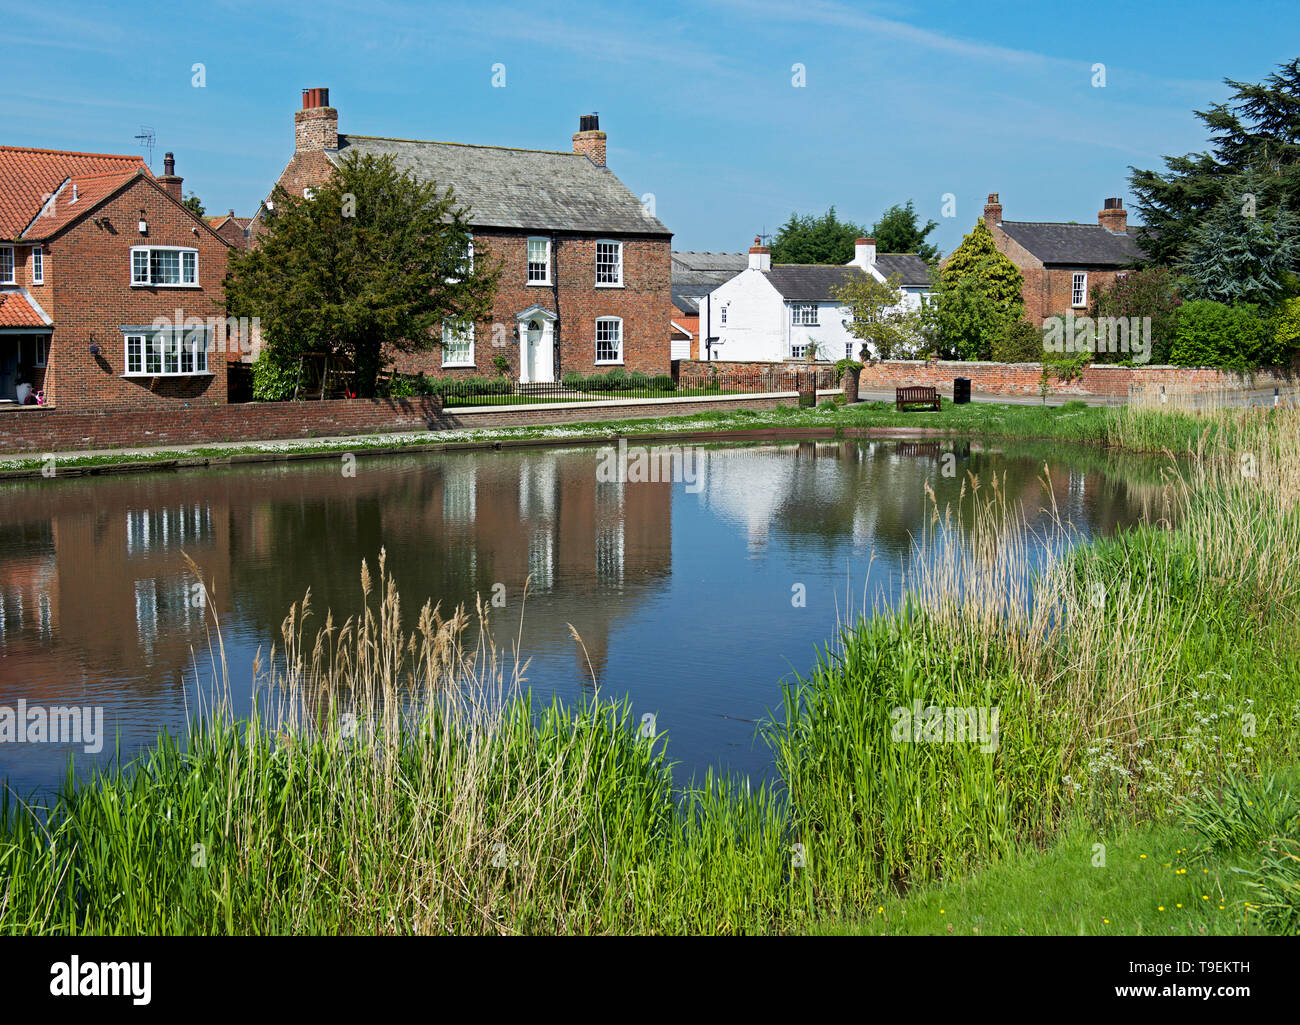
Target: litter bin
{"points": [[961, 391]]}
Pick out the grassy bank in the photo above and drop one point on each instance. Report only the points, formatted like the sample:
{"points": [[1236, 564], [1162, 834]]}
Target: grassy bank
{"points": [[1119, 427], [402, 783]]}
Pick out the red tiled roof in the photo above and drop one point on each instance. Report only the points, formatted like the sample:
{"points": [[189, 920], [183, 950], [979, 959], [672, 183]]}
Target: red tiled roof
{"points": [[27, 176], [89, 190], [16, 311]]}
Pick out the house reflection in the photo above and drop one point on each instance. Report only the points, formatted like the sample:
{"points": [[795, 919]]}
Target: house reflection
{"points": [[99, 603]]}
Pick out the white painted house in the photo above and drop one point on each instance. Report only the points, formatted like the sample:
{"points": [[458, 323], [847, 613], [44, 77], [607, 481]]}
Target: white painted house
{"points": [[769, 313]]}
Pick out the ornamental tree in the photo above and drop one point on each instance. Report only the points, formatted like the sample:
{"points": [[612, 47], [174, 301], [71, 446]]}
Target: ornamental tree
{"points": [[376, 261]]}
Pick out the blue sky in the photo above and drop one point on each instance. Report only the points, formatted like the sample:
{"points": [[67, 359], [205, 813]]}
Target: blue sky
{"points": [[901, 101]]}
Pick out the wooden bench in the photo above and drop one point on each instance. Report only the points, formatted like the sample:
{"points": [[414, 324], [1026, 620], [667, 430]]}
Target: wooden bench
{"points": [[921, 397]]}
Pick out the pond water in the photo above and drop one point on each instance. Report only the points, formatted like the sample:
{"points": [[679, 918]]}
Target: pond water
{"points": [[683, 593]]}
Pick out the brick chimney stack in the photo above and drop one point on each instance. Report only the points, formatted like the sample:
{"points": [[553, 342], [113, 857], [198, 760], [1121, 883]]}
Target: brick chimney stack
{"points": [[864, 252], [760, 257], [993, 210], [169, 179], [589, 140], [1113, 217], [316, 126]]}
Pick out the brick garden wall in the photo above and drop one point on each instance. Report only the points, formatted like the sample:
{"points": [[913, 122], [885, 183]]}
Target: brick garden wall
{"points": [[51, 430], [1024, 378]]}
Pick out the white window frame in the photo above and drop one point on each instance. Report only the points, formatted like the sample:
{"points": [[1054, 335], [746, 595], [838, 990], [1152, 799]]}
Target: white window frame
{"points": [[41, 350], [799, 315], [7, 276], [147, 281], [722, 316], [529, 263], [450, 335], [618, 264], [38, 265], [308, 192], [171, 352], [618, 359], [797, 349], [1079, 287]]}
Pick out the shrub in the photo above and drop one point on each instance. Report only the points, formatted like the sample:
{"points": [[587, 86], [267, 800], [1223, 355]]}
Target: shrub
{"points": [[1150, 293], [637, 381], [1285, 326], [664, 382], [274, 376], [1210, 334], [1019, 342], [573, 380]]}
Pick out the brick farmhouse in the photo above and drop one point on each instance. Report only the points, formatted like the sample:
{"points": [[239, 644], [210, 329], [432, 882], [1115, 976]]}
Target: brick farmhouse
{"points": [[585, 284], [1063, 264], [110, 287]]}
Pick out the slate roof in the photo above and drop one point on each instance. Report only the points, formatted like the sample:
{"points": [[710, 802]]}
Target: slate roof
{"points": [[517, 188], [704, 268], [912, 271], [18, 309], [1079, 245], [28, 175], [809, 282]]}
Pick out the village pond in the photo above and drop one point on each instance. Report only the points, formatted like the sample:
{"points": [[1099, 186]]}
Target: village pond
{"points": [[693, 595]]}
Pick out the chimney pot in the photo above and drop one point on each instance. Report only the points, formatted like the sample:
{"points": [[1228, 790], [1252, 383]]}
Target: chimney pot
{"points": [[169, 180], [1112, 216], [993, 210], [316, 126], [589, 140]]}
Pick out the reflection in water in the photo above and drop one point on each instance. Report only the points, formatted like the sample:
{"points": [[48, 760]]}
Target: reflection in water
{"points": [[681, 596]]}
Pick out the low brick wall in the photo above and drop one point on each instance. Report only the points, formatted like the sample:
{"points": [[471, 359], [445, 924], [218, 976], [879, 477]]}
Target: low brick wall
{"points": [[1024, 378], [52, 430]]}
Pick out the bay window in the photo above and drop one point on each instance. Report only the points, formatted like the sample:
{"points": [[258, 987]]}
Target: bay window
{"points": [[166, 353]]}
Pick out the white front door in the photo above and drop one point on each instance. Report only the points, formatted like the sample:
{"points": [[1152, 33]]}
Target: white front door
{"points": [[536, 362]]}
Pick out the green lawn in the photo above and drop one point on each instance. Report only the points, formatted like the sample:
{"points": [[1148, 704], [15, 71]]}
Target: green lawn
{"points": [[1153, 882]]}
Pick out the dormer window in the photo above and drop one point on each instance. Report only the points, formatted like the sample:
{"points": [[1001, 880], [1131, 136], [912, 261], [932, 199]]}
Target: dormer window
{"points": [[164, 265]]}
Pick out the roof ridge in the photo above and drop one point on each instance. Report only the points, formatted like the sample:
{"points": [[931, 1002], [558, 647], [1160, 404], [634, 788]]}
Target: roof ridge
{"points": [[1059, 224], [72, 153], [103, 174], [468, 145]]}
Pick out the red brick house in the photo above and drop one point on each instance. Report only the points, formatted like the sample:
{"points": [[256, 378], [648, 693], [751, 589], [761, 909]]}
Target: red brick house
{"points": [[233, 229], [110, 288], [1063, 264], [586, 269]]}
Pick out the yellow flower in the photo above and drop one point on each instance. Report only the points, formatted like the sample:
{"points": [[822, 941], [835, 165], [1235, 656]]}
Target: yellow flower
{"points": [[1160, 908], [1106, 921], [1205, 896], [1143, 857], [942, 911], [1178, 905]]}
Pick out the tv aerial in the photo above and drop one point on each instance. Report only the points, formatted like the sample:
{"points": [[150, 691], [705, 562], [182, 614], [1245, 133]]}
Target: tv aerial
{"points": [[146, 139]]}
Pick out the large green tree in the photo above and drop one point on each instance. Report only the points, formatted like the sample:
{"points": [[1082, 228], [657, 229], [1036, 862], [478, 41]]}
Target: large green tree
{"points": [[978, 299], [809, 239], [375, 261], [1255, 133], [1239, 254], [897, 231]]}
